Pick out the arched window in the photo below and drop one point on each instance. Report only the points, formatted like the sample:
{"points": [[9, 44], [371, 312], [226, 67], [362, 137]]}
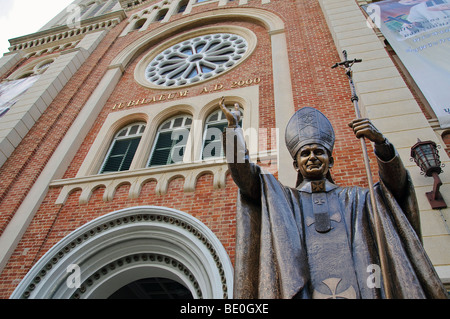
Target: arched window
{"points": [[171, 141], [123, 148], [182, 6], [139, 24], [161, 15], [212, 136]]}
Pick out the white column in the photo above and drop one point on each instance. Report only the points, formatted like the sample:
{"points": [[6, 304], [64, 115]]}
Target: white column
{"points": [[150, 18], [189, 6], [284, 104], [172, 10], [8, 60], [105, 6], [88, 12]]}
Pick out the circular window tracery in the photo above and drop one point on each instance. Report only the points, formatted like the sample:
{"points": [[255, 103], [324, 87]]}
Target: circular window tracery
{"points": [[196, 59]]}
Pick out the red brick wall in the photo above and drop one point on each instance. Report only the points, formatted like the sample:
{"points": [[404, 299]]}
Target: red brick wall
{"points": [[311, 54]]}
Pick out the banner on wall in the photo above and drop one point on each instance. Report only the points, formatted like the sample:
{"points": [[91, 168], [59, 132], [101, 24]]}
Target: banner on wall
{"points": [[419, 32], [10, 92]]}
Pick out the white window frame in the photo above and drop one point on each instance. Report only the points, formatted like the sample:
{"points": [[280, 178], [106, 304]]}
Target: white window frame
{"points": [[199, 107], [221, 119], [140, 132], [172, 129]]}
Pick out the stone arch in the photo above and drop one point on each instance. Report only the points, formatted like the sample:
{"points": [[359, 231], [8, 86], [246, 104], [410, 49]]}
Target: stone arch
{"points": [[269, 20], [201, 174], [139, 23], [32, 67], [172, 180], [134, 243]]}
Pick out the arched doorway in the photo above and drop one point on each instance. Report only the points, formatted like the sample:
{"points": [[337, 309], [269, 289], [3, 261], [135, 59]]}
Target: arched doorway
{"points": [[152, 288], [133, 245]]}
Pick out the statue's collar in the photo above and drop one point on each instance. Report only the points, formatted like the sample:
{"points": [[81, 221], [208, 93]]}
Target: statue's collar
{"points": [[316, 186]]}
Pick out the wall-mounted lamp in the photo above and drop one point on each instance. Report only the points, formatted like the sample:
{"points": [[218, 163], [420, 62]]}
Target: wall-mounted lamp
{"points": [[426, 156]]}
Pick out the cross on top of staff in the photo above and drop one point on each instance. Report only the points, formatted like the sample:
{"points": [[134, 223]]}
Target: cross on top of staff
{"points": [[347, 64]]}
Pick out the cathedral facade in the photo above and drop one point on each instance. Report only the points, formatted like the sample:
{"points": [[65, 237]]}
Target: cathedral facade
{"points": [[113, 180]]}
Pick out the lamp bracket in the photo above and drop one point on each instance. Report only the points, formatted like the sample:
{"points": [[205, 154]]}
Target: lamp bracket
{"points": [[435, 197]]}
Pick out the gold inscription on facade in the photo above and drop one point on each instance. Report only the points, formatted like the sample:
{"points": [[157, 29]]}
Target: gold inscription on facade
{"points": [[185, 93], [155, 98]]}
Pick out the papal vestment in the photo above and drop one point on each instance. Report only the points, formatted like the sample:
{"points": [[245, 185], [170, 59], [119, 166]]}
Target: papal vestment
{"points": [[280, 253]]}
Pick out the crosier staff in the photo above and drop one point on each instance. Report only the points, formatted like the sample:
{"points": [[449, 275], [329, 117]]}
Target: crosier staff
{"points": [[347, 65]]}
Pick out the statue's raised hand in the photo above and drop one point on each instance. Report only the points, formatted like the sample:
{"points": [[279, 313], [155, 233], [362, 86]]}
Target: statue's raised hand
{"points": [[232, 116]]}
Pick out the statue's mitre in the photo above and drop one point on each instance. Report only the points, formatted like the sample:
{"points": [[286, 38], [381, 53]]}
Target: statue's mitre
{"points": [[308, 126]]}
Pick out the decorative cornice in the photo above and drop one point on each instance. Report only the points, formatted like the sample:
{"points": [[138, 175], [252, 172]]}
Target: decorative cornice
{"points": [[129, 5], [63, 34], [137, 178]]}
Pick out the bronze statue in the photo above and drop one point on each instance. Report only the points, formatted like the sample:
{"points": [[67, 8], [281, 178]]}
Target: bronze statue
{"points": [[317, 240], [233, 117]]}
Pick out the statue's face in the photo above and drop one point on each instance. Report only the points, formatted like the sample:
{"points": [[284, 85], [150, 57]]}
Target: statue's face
{"points": [[313, 161]]}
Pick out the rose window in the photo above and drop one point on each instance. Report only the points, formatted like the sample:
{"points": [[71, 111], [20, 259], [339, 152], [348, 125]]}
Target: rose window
{"points": [[196, 59]]}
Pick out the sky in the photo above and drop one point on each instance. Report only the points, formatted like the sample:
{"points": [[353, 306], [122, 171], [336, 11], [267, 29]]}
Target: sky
{"points": [[22, 17]]}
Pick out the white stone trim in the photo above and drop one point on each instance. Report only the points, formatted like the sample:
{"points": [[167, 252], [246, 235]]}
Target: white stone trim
{"points": [[284, 104], [123, 242], [154, 114], [32, 67], [150, 13], [137, 178], [60, 36], [444, 273], [7, 61]]}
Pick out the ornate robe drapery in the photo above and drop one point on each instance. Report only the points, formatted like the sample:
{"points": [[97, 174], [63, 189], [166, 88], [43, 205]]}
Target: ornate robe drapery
{"points": [[280, 255]]}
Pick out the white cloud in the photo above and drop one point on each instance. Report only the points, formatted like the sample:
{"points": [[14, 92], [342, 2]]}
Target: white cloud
{"points": [[22, 17]]}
